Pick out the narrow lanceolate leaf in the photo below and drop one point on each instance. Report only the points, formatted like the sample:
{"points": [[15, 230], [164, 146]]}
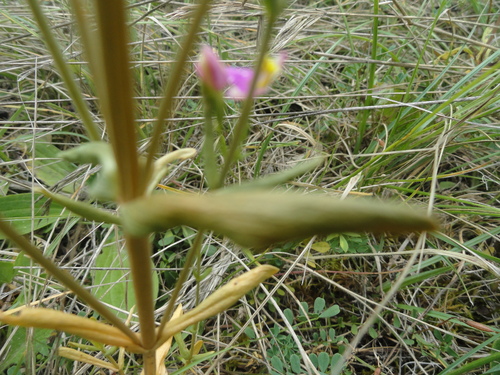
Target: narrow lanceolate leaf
{"points": [[276, 179], [75, 325], [219, 301], [259, 219], [81, 208], [77, 355]]}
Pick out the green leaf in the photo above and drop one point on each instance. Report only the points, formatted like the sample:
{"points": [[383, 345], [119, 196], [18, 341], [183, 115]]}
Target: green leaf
{"points": [[49, 167], [331, 311], [105, 185], [295, 363], [322, 334], [250, 333], [321, 247], [494, 370], [314, 359], [277, 363], [495, 365], [22, 261], [344, 245], [323, 361], [305, 308], [288, 315], [26, 212], [6, 272], [319, 305], [114, 286], [332, 333], [335, 358], [419, 277], [354, 329], [168, 238], [17, 347]]}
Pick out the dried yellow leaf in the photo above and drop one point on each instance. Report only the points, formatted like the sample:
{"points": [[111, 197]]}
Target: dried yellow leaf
{"points": [[77, 355], [219, 301], [76, 325]]}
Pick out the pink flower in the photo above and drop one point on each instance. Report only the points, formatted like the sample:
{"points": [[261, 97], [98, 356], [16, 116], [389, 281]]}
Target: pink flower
{"points": [[218, 76], [240, 79], [211, 70]]}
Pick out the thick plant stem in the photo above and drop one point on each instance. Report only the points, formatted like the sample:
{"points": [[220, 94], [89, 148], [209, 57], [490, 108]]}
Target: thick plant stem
{"points": [[139, 250], [117, 99], [65, 278], [208, 151], [118, 109], [149, 364]]}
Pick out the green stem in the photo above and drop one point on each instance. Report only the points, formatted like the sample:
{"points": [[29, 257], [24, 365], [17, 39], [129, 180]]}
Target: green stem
{"points": [[65, 278], [149, 365], [65, 71], [241, 127], [139, 250], [371, 79], [190, 259], [208, 148], [194, 337], [174, 81]]}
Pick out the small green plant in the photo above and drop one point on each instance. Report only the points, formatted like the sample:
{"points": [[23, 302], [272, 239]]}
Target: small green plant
{"points": [[284, 354]]}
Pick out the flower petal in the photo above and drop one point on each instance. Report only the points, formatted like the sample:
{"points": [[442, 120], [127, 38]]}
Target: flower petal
{"points": [[218, 76], [240, 79], [211, 70]]}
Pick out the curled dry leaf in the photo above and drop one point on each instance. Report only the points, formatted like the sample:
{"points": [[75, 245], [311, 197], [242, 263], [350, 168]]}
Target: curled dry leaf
{"points": [[161, 165], [181, 154], [76, 325], [259, 219], [219, 301]]}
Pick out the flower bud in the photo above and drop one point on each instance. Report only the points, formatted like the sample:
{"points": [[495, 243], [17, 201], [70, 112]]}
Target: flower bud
{"points": [[258, 219], [211, 70]]}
